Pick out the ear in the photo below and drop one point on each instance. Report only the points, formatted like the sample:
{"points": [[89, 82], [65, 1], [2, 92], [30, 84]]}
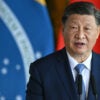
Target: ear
{"points": [[99, 28], [98, 31]]}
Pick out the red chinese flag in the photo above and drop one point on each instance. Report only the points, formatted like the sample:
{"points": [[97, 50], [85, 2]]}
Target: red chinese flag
{"points": [[60, 41]]}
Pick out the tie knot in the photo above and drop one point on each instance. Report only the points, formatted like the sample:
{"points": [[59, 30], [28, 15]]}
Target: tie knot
{"points": [[79, 68]]}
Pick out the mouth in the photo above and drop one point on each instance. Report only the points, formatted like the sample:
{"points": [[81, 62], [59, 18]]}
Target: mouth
{"points": [[79, 44]]}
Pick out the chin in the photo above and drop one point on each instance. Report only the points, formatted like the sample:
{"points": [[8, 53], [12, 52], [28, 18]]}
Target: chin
{"points": [[80, 52]]}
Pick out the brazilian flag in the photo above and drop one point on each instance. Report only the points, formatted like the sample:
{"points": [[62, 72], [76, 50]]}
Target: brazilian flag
{"points": [[25, 35]]}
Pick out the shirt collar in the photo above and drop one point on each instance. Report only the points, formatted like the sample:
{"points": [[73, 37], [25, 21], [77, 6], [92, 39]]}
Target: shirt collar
{"points": [[73, 62]]}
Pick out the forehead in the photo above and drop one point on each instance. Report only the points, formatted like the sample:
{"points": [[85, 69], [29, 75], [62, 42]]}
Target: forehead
{"points": [[77, 18]]}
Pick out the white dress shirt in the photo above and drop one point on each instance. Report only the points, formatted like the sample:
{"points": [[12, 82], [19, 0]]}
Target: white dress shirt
{"points": [[85, 72]]}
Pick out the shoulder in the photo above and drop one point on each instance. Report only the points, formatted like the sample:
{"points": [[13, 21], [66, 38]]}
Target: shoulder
{"points": [[96, 56], [50, 58], [47, 62], [96, 59]]}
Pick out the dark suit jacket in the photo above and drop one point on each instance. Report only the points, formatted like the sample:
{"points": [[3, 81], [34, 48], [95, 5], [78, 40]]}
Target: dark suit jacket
{"points": [[51, 78]]}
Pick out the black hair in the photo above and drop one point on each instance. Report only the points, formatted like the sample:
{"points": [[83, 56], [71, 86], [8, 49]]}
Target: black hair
{"points": [[82, 8]]}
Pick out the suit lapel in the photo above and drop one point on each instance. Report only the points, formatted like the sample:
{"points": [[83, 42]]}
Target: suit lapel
{"points": [[95, 71], [65, 74], [90, 93]]}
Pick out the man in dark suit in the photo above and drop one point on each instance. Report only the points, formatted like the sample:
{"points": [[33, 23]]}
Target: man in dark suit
{"points": [[55, 77]]}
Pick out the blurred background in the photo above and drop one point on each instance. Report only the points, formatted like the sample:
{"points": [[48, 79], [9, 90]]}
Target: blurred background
{"points": [[29, 30]]}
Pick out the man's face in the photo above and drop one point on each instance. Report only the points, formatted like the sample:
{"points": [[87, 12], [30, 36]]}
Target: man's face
{"points": [[80, 34]]}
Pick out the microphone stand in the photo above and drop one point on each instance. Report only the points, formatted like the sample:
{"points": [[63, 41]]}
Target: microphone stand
{"points": [[79, 85], [93, 83]]}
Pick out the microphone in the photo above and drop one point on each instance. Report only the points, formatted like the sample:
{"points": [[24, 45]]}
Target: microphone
{"points": [[93, 83], [79, 84]]}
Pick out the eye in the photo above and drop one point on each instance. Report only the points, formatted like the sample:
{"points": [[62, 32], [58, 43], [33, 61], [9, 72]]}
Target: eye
{"points": [[87, 28], [73, 27]]}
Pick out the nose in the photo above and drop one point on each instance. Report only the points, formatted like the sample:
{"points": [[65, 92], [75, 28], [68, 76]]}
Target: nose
{"points": [[80, 34]]}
